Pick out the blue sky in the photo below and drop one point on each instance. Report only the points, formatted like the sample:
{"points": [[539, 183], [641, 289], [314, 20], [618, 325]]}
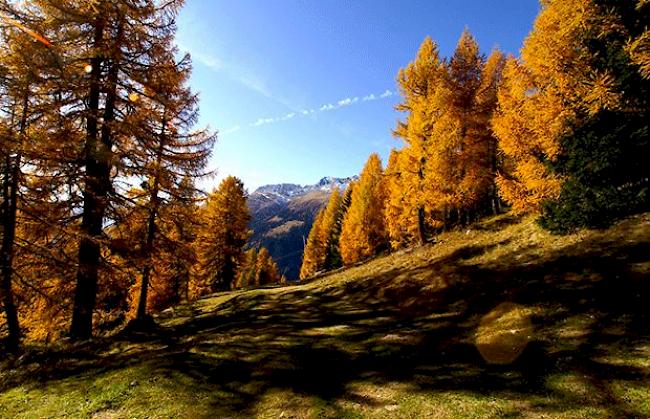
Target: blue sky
{"points": [[304, 89]]}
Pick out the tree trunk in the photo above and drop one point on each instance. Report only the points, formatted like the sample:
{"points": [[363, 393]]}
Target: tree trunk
{"points": [[494, 193], [97, 187], [151, 228], [422, 238], [7, 244], [10, 195], [421, 227], [146, 271]]}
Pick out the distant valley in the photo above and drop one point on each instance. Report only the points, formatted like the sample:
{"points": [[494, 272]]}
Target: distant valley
{"points": [[282, 216]]}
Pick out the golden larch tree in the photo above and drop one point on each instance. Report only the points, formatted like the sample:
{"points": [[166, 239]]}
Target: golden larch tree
{"points": [[315, 252], [543, 95], [267, 270], [462, 165], [418, 83], [221, 238], [401, 218], [322, 249], [332, 218], [485, 107], [363, 233], [258, 269]]}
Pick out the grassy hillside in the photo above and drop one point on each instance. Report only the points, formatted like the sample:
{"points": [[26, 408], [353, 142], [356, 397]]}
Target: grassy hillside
{"points": [[500, 320]]}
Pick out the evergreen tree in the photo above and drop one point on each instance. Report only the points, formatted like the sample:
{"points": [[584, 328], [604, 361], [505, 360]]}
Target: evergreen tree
{"points": [[334, 259], [604, 175], [545, 94], [570, 115]]}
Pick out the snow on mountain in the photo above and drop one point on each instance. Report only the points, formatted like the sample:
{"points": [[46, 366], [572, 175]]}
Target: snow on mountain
{"points": [[288, 191], [282, 215]]}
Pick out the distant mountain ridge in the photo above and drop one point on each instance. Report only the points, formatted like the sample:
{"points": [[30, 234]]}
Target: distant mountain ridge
{"points": [[287, 191], [282, 215]]}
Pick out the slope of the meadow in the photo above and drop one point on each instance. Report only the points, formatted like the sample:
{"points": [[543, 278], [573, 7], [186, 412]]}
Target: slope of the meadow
{"points": [[499, 320]]}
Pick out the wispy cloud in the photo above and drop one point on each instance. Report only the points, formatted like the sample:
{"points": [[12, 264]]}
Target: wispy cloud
{"points": [[256, 85], [231, 130], [348, 101], [237, 73], [263, 121]]}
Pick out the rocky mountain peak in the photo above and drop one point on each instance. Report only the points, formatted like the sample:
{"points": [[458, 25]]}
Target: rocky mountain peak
{"points": [[282, 215]]}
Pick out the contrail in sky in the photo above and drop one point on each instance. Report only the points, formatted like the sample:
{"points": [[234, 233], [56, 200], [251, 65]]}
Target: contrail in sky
{"points": [[348, 101]]}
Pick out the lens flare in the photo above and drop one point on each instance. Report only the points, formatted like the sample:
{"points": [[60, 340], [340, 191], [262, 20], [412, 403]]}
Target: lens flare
{"points": [[504, 333], [88, 68], [37, 37]]}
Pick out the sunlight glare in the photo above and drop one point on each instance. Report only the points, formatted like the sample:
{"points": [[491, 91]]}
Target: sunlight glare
{"points": [[504, 333]]}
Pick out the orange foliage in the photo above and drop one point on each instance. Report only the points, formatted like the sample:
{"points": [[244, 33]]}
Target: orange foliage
{"points": [[547, 92], [363, 232]]}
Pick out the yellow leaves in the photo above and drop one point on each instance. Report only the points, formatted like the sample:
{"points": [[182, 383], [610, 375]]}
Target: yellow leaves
{"points": [[363, 231], [322, 241], [639, 51], [551, 45], [534, 102], [449, 161], [601, 94], [530, 183], [528, 120], [257, 269], [464, 69], [558, 84], [223, 234], [490, 80], [402, 201], [416, 82], [315, 250]]}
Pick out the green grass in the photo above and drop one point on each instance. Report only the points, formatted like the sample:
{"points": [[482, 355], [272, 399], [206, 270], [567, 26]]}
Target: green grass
{"points": [[498, 320]]}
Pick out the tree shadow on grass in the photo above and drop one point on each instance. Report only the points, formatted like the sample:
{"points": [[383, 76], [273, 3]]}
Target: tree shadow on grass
{"points": [[414, 326]]}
